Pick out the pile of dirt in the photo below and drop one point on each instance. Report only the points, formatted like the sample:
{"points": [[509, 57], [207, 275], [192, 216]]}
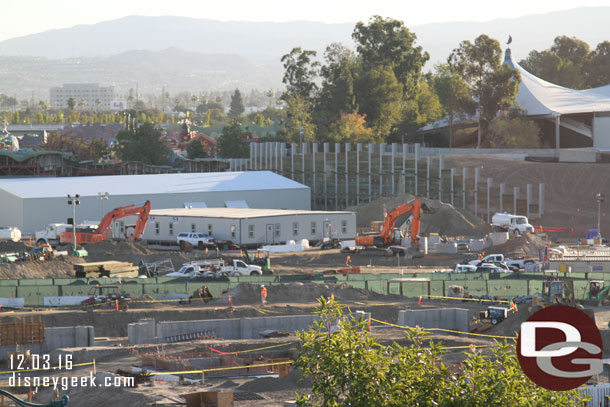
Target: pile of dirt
{"points": [[444, 218], [8, 246], [291, 382], [246, 293], [110, 250], [528, 246], [59, 267]]}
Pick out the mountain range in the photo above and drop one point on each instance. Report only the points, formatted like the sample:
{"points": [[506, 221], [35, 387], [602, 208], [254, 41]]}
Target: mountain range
{"points": [[181, 53]]}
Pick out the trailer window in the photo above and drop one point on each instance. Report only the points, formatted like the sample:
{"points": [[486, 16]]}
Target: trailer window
{"points": [[295, 228], [277, 229], [193, 228], [344, 227], [251, 231], [314, 228], [171, 228], [233, 230], [210, 230], [157, 228]]}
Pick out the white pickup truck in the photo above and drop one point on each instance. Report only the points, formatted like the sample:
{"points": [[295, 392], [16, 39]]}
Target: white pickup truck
{"points": [[239, 268], [198, 268], [492, 258]]}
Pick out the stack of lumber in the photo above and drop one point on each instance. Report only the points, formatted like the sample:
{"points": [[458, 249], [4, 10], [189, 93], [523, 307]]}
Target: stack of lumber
{"points": [[106, 269]]}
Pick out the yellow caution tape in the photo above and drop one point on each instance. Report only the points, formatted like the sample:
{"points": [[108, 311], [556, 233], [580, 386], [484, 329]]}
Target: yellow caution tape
{"points": [[220, 368], [444, 330], [41, 369]]}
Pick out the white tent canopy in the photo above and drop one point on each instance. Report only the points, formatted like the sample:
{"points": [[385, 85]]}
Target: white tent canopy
{"points": [[539, 97]]}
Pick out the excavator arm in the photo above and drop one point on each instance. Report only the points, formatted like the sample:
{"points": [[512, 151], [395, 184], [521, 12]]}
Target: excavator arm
{"points": [[413, 208], [103, 229], [142, 211]]}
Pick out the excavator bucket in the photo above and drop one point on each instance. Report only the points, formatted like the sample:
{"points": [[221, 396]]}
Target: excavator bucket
{"points": [[427, 209]]}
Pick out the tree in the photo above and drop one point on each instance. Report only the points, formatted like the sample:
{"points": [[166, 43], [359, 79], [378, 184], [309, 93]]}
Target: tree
{"points": [[598, 73], [299, 126], [513, 132], [492, 84], [300, 73], [144, 144], [351, 128], [237, 104], [71, 103], [230, 143], [380, 98], [565, 63], [337, 95], [196, 150], [349, 367], [453, 94], [387, 42]]}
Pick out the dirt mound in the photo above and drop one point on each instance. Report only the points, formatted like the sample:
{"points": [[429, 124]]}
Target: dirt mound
{"points": [[246, 293], [12, 247], [290, 382], [446, 219], [108, 250], [60, 267], [528, 245]]}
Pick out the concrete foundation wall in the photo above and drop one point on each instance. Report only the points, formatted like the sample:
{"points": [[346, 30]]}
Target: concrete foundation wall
{"points": [[455, 319], [141, 332], [57, 301], [146, 331], [69, 337]]}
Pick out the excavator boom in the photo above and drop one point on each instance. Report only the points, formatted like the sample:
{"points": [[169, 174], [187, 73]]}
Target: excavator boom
{"points": [[103, 229]]}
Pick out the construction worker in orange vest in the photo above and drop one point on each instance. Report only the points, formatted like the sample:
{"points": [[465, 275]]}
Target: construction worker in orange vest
{"points": [[263, 294]]}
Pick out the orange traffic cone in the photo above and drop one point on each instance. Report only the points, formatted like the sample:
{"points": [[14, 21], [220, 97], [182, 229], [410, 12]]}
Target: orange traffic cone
{"points": [[419, 302], [116, 302], [230, 303], [332, 296]]}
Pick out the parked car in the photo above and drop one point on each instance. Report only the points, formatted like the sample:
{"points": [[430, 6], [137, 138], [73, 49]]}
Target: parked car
{"points": [[506, 267], [462, 268], [490, 268], [198, 240]]}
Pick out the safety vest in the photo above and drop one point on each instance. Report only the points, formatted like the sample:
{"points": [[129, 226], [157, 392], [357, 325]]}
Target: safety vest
{"points": [[263, 292]]}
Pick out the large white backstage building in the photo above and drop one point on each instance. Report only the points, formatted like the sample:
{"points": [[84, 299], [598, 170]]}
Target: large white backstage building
{"points": [[32, 203]]}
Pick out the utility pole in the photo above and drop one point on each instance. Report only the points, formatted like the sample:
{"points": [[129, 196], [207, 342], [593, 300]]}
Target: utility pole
{"points": [[74, 200]]}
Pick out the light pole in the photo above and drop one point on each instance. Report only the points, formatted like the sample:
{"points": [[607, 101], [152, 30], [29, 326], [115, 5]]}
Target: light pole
{"points": [[599, 198], [103, 197], [74, 200]]}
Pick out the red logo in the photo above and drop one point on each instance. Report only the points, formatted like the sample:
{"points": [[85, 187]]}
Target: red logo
{"points": [[560, 348]]}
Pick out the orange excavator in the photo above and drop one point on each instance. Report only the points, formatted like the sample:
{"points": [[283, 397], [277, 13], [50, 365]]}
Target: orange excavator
{"points": [[101, 232], [389, 239]]}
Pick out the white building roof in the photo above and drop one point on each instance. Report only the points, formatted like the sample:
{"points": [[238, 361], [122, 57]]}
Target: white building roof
{"points": [[150, 184], [238, 213], [539, 97]]}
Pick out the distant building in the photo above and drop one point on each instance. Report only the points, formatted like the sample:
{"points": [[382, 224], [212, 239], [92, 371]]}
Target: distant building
{"points": [[88, 96]]}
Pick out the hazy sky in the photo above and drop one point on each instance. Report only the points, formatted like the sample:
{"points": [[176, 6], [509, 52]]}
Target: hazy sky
{"points": [[22, 17]]}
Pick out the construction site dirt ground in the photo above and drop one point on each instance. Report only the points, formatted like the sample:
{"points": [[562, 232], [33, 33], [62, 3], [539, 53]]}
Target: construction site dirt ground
{"points": [[270, 391]]}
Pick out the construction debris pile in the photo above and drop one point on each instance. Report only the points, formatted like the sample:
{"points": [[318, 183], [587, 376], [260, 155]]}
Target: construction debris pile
{"points": [[526, 246]]}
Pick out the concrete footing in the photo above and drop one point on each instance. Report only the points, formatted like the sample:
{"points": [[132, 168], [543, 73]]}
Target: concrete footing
{"points": [[455, 319], [69, 337]]}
